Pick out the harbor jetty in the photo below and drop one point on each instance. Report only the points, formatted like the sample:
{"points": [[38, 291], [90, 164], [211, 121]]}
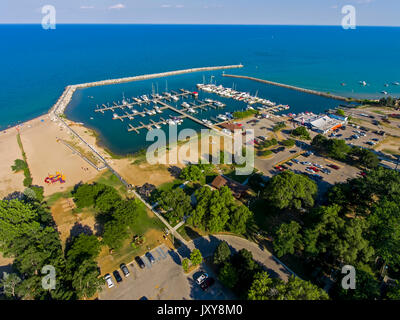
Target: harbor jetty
{"points": [[318, 93]]}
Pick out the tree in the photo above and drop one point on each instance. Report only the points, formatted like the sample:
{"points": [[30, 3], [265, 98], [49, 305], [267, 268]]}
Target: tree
{"points": [[290, 190], [84, 247], [367, 288], [86, 279], [394, 291], [301, 132], [246, 268], [287, 239], [228, 275], [85, 195], [9, 283], [195, 257], [222, 253], [385, 231], [114, 234], [127, 212], [185, 264], [17, 219], [320, 143], [19, 165], [196, 172], [340, 112], [108, 200], [262, 288], [342, 238], [289, 143], [297, 289], [176, 204], [214, 209], [338, 149], [365, 157]]}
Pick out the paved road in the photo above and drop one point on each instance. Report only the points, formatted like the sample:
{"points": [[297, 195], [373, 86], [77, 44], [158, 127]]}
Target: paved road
{"points": [[207, 246]]}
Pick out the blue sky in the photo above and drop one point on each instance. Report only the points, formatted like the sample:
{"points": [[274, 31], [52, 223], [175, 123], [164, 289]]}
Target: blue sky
{"points": [[297, 12]]}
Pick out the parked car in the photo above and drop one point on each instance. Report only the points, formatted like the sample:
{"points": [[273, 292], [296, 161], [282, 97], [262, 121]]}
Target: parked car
{"points": [[284, 167], [109, 280], [117, 276], [201, 278], [279, 168], [207, 283], [309, 170], [333, 166], [289, 163], [326, 171], [140, 262], [125, 270], [150, 257], [295, 160]]}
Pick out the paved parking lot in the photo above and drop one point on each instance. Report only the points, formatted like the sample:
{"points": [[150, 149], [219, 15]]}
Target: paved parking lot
{"points": [[341, 175], [163, 280]]}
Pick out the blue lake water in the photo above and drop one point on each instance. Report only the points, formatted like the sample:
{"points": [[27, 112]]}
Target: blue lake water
{"points": [[37, 64]]}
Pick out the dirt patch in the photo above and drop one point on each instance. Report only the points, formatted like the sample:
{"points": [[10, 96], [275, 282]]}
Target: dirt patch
{"points": [[70, 223], [390, 145]]}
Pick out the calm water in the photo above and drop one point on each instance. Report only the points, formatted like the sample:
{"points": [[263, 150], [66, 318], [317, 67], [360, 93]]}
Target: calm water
{"points": [[37, 64]]}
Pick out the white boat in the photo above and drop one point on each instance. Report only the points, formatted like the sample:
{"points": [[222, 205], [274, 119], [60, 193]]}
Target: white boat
{"points": [[115, 116], [134, 111], [157, 126], [175, 98], [185, 105], [396, 83], [191, 110], [363, 83], [222, 117], [384, 92]]}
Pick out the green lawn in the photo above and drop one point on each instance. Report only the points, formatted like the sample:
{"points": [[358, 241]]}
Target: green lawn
{"points": [[170, 185]]}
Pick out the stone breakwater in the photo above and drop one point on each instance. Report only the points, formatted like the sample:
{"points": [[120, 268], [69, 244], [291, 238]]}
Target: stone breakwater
{"points": [[318, 93], [66, 97]]}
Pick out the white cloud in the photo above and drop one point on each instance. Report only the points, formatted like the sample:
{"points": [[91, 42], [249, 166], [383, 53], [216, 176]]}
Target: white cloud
{"points": [[117, 6], [166, 6], [87, 7]]}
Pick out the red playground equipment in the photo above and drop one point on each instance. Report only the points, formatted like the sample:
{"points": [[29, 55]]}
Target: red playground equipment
{"points": [[59, 177]]}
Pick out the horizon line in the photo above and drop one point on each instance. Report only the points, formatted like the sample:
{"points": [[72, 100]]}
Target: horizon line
{"points": [[199, 24]]}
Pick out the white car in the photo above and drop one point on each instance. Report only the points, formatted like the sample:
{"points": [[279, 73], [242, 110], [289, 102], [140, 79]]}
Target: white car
{"points": [[200, 279], [109, 280]]}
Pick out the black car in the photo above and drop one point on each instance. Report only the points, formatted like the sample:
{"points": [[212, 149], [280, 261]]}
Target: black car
{"points": [[117, 276], [207, 283], [140, 262], [150, 257], [125, 270]]}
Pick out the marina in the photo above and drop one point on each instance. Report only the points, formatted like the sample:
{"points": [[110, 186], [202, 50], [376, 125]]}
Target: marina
{"points": [[155, 103]]}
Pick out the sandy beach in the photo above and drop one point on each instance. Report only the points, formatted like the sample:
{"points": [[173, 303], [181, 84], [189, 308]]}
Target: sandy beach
{"points": [[45, 157]]}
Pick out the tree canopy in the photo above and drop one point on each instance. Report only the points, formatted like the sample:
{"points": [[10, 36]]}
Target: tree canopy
{"points": [[290, 190]]}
